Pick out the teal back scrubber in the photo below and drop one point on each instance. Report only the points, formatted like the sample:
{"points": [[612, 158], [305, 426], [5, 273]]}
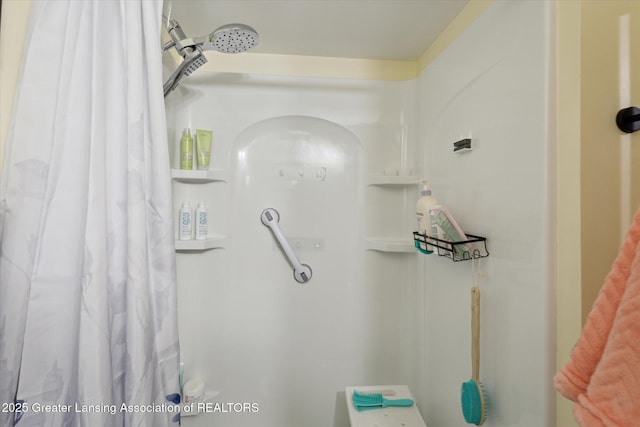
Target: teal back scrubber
{"points": [[473, 398], [473, 403]]}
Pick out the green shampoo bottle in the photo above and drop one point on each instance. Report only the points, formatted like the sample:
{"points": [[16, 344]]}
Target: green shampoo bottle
{"points": [[186, 150]]}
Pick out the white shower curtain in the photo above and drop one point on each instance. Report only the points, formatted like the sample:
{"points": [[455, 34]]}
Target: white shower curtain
{"points": [[88, 325]]}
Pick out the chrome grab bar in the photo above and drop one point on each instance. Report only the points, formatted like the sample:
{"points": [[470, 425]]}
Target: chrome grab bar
{"points": [[270, 218]]}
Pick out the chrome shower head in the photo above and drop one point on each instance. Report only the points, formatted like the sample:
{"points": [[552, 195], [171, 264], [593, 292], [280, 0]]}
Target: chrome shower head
{"points": [[192, 61], [230, 38], [234, 38]]}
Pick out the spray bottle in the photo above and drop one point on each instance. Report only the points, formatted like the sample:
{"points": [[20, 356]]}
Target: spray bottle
{"points": [[186, 150], [425, 204]]}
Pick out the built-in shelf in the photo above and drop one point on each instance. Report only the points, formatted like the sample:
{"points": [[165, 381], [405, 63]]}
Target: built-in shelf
{"points": [[198, 176], [201, 245], [392, 180], [387, 244], [390, 245]]}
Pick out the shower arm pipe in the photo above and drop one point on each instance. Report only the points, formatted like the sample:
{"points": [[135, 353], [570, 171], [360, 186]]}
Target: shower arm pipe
{"points": [[168, 45], [270, 218], [202, 41], [179, 39], [168, 25]]}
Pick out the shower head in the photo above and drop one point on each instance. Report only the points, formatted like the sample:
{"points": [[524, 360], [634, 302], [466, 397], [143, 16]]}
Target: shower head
{"points": [[230, 38], [192, 61]]}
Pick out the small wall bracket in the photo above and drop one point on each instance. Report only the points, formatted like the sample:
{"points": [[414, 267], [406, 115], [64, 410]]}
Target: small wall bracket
{"points": [[628, 119], [462, 145]]}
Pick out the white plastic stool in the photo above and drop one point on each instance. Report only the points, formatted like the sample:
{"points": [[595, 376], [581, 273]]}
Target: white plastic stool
{"points": [[392, 416]]}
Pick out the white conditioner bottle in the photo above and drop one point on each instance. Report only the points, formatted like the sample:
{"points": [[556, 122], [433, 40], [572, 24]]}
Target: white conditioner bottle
{"points": [[425, 204], [186, 222], [201, 222]]}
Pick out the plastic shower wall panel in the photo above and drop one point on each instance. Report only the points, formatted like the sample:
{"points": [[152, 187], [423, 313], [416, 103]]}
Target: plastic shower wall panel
{"points": [[303, 147], [310, 171], [493, 84]]}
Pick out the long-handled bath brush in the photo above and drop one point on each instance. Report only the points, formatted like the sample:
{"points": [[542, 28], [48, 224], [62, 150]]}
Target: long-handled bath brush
{"points": [[473, 398], [365, 401]]}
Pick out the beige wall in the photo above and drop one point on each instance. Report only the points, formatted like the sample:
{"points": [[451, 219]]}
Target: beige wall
{"points": [[594, 208], [568, 297], [13, 29], [605, 218]]}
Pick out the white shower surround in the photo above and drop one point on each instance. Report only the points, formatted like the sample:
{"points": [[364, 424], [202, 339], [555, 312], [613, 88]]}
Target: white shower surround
{"points": [[410, 311]]}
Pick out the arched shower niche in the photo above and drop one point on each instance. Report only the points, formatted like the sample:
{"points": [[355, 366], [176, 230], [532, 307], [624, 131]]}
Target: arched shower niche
{"points": [[291, 347]]}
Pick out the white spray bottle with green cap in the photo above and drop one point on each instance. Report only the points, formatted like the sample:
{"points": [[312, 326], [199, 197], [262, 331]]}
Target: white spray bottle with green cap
{"points": [[424, 206]]}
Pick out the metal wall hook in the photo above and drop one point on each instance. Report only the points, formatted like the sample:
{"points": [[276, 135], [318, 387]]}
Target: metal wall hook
{"points": [[628, 119]]}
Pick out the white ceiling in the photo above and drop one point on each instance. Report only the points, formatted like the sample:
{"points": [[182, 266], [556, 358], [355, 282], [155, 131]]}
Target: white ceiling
{"points": [[371, 29]]}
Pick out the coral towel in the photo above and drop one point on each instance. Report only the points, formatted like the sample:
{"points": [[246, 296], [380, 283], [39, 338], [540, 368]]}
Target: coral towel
{"points": [[603, 373]]}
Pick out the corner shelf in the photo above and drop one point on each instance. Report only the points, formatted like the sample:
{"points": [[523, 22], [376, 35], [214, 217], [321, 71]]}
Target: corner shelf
{"points": [[390, 245], [201, 245], [198, 176], [477, 246], [392, 180]]}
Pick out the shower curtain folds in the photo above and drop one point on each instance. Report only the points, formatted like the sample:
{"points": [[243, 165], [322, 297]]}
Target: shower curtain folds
{"points": [[88, 325]]}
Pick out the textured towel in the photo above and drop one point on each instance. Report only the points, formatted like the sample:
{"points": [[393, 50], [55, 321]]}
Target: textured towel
{"points": [[603, 373]]}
